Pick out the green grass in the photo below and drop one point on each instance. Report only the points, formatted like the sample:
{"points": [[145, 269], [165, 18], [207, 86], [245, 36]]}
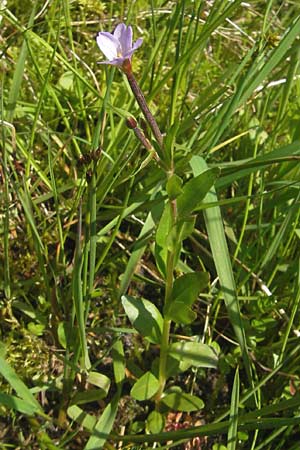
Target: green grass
{"points": [[104, 248]]}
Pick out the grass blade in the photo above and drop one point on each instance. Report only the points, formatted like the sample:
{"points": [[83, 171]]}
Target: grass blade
{"points": [[218, 244], [234, 410], [103, 426], [19, 71], [17, 384]]}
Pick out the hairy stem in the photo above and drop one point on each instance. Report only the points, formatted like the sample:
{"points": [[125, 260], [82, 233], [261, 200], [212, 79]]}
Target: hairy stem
{"points": [[142, 102]]}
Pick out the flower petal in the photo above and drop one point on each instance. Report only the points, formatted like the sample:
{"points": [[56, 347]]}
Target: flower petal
{"points": [[119, 31], [137, 43], [113, 62], [126, 40], [117, 46], [108, 44], [135, 46]]}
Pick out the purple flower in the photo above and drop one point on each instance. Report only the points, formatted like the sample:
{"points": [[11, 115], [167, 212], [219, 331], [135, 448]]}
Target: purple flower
{"points": [[117, 46]]}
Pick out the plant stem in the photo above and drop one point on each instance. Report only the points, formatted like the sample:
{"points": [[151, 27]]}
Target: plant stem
{"points": [[164, 347], [142, 102], [131, 123], [162, 377]]}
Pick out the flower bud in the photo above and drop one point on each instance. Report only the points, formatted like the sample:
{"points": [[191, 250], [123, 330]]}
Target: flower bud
{"points": [[131, 123]]}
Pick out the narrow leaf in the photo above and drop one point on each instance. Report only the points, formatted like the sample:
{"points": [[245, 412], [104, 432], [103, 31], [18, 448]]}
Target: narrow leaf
{"points": [[161, 239], [194, 191], [174, 187], [232, 436], [220, 252], [103, 426], [92, 395]]}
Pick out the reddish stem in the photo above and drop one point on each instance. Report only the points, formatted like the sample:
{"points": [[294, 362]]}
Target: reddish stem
{"points": [[126, 67]]}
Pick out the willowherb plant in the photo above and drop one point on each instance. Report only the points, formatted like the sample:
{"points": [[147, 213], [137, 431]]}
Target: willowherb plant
{"points": [[176, 224], [72, 186]]}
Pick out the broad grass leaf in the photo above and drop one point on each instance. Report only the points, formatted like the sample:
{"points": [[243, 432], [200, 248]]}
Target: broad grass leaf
{"points": [[17, 404], [137, 252], [81, 417], [145, 317], [103, 426], [17, 384], [89, 396], [145, 387], [99, 380], [117, 354], [243, 168]]}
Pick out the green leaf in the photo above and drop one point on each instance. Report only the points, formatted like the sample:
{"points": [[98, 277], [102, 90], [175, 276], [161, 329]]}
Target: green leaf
{"points": [[242, 168], [137, 427], [180, 313], [193, 354], [180, 231], [18, 76], [138, 249], [99, 380], [92, 395], [194, 191], [36, 328], [174, 186], [78, 294], [172, 366], [17, 384], [180, 401], [155, 422], [13, 402], [145, 387], [103, 426], [66, 81], [187, 287], [169, 141], [117, 354], [232, 435], [220, 252], [161, 238], [145, 317], [61, 334], [85, 420], [185, 292]]}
